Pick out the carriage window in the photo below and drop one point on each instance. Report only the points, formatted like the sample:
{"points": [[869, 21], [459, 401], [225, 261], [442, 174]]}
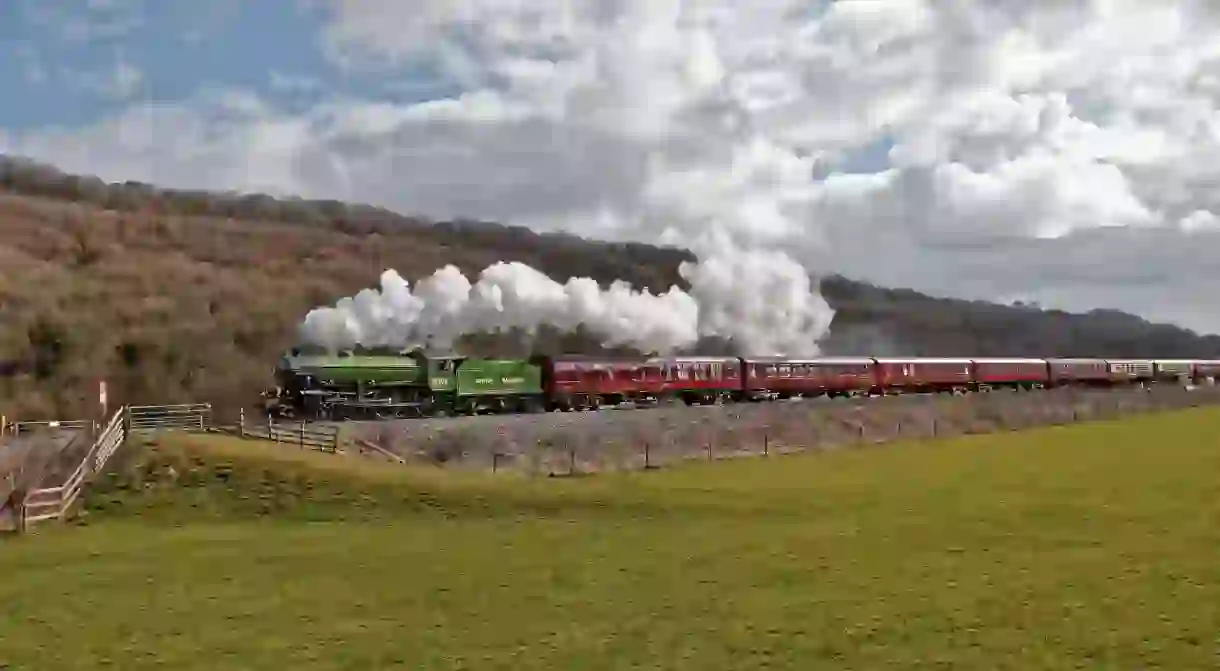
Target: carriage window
{"points": [[785, 371]]}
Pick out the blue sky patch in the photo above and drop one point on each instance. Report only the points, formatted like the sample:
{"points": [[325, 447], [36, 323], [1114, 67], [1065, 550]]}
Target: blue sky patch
{"points": [[72, 63]]}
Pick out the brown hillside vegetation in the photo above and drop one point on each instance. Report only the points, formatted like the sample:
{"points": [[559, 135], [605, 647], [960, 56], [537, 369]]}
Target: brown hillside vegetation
{"points": [[175, 296]]}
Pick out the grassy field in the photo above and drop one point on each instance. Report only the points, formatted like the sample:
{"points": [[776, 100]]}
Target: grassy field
{"points": [[1093, 546]]}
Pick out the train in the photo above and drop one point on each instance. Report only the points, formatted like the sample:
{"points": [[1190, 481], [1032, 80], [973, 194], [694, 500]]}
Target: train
{"points": [[351, 385]]}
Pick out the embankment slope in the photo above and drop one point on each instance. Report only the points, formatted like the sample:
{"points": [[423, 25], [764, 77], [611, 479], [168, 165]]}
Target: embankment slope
{"points": [[1060, 547]]}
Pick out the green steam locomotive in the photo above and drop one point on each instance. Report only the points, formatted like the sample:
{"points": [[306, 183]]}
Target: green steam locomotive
{"points": [[381, 384]]}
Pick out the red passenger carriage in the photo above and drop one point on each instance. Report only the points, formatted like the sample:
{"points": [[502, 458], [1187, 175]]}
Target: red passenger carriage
{"points": [[784, 378], [1130, 370], [1020, 373], [584, 382], [1207, 369], [924, 374], [1078, 371], [701, 379]]}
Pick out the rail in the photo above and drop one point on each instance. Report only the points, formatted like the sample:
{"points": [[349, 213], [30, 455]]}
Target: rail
{"points": [[55, 502]]}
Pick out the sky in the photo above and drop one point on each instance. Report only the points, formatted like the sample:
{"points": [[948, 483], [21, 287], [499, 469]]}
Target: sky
{"points": [[1062, 152]]}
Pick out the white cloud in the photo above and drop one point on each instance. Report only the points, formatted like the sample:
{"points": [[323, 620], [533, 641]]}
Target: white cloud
{"points": [[122, 82], [1032, 142], [82, 21], [33, 70], [293, 83], [1200, 220]]}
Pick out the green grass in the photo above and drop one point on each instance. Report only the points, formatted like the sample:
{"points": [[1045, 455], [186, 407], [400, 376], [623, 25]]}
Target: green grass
{"points": [[1094, 546]]}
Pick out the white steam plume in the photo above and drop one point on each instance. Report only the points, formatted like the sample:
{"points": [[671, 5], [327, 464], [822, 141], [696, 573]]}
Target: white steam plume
{"points": [[762, 301]]}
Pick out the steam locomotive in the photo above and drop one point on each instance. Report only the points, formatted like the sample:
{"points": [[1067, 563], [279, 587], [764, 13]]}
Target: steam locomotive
{"points": [[352, 385]]}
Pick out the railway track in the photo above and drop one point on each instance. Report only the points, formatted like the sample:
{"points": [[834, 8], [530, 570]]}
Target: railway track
{"points": [[607, 417], [609, 437], [575, 416]]}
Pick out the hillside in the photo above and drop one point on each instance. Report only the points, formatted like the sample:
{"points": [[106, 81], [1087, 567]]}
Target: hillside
{"points": [[177, 295]]}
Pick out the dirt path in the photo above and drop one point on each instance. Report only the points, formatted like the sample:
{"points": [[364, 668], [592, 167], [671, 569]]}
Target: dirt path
{"points": [[12, 452], [16, 451]]}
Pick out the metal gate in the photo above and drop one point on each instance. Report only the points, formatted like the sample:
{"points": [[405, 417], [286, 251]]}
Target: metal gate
{"points": [[182, 417]]}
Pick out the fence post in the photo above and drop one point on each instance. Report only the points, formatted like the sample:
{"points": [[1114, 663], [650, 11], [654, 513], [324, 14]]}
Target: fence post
{"points": [[271, 429], [21, 514], [241, 423], [766, 444], [647, 456], [302, 434]]}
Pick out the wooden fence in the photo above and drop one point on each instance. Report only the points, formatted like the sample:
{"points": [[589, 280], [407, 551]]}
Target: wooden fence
{"points": [[54, 502], [301, 434]]}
